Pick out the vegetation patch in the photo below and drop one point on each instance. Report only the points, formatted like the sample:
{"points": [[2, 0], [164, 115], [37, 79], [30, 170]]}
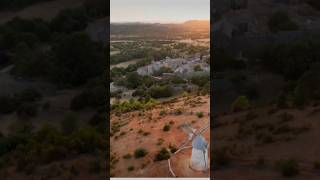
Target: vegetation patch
{"points": [[163, 154], [166, 128], [288, 168], [140, 153]]}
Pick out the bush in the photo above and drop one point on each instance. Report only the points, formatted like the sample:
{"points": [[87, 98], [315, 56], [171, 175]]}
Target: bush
{"points": [[288, 168], [7, 104], [95, 167], [133, 105], [76, 60], [160, 91], [280, 21], [173, 148], [285, 117], [240, 104], [197, 68], [140, 152], [200, 80], [164, 154], [70, 20], [221, 158], [69, 124], [86, 140], [94, 97], [163, 70], [27, 111], [199, 114], [308, 87], [52, 153], [316, 165], [29, 95], [314, 3], [130, 168], [127, 156], [166, 127]]}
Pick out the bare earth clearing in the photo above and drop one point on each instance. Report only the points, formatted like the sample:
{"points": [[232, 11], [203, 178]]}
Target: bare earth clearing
{"points": [[128, 139]]}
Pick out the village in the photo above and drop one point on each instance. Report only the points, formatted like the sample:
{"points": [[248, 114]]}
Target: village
{"points": [[179, 66]]}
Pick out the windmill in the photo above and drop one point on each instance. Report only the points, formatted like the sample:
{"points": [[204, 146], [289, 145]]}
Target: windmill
{"points": [[199, 158]]}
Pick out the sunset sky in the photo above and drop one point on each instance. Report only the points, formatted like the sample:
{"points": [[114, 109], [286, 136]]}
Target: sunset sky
{"points": [[159, 10]]}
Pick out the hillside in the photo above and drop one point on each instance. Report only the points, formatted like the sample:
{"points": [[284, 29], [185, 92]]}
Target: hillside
{"points": [[144, 129], [260, 143], [44, 10]]}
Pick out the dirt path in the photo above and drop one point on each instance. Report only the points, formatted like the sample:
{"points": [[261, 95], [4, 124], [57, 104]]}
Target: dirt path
{"points": [[45, 10]]}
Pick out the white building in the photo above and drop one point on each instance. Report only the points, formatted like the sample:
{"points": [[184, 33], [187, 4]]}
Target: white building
{"points": [[181, 67], [199, 158]]}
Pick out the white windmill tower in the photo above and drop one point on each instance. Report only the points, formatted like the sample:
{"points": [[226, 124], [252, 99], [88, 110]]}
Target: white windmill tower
{"points": [[199, 159]]}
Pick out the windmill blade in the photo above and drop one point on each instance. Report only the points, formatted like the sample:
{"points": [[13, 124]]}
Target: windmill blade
{"points": [[203, 130], [187, 129]]}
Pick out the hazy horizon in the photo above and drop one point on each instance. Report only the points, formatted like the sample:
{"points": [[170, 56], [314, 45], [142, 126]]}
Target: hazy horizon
{"points": [[159, 22], [158, 11]]}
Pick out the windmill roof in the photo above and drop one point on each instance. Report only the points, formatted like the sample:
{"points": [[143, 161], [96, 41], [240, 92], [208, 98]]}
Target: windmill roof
{"points": [[199, 143]]}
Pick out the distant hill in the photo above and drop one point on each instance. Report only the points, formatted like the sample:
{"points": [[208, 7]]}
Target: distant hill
{"points": [[158, 29], [45, 10]]}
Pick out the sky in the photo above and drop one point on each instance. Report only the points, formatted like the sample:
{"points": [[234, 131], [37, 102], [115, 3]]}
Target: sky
{"points": [[161, 11]]}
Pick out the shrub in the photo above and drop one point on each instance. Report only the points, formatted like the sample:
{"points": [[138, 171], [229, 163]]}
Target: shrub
{"points": [[29, 95], [307, 89], [133, 105], [162, 113], [69, 124], [88, 98], [53, 152], [178, 112], [95, 167], [197, 68], [146, 133], [314, 3], [288, 168], [69, 20], [74, 171], [240, 104], [86, 140], [199, 114], [140, 152], [166, 128], [200, 80], [160, 91], [164, 154], [46, 105], [27, 110], [127, 156], [173, 148], [162, 70], [7, 104], [221, 158], [76, 60], [285, 117], [316, 165], [160, 141], [280, 21], [130, 168], [261, 162]]}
